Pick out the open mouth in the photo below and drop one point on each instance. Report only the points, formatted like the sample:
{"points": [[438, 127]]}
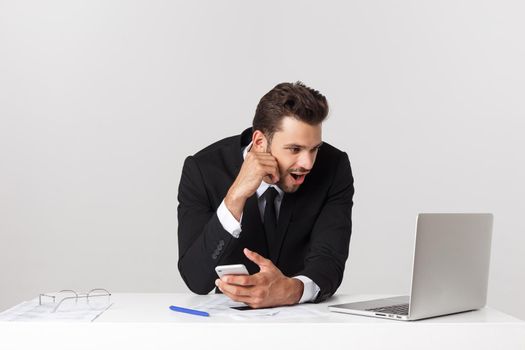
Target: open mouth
{"points": [[298, 177]]}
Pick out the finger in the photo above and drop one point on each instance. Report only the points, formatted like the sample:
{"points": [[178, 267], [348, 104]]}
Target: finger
{"points": [[263, 155], [268, 167], [264, 169], [272, 172], [227, 293], [252, 301], [268, 163], [258, 259], [240, 280], [271, 179], [266, 159], [260, 157], [233, 289], [243, 299]]}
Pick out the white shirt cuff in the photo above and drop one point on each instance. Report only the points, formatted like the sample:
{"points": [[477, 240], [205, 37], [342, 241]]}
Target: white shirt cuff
{"points": [[310, 289], [228, 221]]}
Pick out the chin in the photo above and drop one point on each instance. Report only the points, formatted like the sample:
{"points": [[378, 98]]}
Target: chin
{"points": [[289, 188]]}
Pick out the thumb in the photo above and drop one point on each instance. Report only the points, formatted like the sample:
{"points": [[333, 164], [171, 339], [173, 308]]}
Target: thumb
{"points": [[258, 259]]}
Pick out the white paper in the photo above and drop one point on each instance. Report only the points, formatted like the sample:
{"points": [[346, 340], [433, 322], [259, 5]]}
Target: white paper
{"points": [[79, 311], [220, 305]]}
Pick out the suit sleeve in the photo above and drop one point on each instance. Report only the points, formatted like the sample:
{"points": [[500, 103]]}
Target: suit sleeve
{"points": [[330, 239], [201, 237]]}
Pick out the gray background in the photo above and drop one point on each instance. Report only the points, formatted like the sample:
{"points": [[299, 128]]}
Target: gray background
{"points": [[101, 101]]}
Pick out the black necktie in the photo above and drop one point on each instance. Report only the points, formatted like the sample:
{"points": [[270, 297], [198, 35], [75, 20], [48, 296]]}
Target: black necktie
{"points": [[270, 219]]}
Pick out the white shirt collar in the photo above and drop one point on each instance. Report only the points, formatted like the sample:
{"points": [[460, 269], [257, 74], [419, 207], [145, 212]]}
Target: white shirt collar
{"points": [[263, 186]]}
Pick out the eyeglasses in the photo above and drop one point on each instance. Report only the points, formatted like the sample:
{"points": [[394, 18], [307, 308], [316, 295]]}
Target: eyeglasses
{"points": [[69, 294]]}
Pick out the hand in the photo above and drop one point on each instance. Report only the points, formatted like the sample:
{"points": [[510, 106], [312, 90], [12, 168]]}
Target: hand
{"points": [[256, 167], [267, 288]]}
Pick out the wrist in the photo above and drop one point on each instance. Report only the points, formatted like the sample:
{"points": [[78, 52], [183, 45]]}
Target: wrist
{"points": [[235, 196], [296, 290], [235, 203]]}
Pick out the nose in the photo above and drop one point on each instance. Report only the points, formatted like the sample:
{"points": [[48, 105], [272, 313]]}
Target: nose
{"points": [[306, 160]]}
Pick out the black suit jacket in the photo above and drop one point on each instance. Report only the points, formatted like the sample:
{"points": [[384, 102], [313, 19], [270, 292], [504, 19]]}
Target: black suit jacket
{"points": [[314, 223]]}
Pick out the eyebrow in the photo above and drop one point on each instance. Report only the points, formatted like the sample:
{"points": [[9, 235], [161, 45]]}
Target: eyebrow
{"points": [[294, 145]]}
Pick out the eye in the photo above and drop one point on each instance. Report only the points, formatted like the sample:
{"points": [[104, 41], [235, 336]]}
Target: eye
{"points": [[295, 150]]}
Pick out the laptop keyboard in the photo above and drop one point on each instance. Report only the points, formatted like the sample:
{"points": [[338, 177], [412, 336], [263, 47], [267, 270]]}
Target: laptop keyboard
{"points": [[400, 309]]}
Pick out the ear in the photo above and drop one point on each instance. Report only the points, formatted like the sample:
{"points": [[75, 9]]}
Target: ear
{"points": [[259, 141]]}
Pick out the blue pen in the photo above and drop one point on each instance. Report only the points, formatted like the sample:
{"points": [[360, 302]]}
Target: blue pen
{"points": [[189, 311]]}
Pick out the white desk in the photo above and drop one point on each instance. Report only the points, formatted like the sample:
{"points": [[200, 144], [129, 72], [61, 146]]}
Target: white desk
{"points": [[144, 321]]}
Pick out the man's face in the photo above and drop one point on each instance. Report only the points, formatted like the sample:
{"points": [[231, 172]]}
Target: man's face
{"points": [[295, 147]]}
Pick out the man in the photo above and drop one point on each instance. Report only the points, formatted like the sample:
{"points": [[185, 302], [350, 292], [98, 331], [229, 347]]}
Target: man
{"points": [[276, 199]]}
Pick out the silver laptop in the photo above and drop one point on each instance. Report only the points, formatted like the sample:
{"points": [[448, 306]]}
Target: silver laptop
{"points": [[450, 270]]}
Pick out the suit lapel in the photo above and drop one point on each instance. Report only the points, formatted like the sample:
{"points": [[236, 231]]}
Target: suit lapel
{"points": [[285, 214]]}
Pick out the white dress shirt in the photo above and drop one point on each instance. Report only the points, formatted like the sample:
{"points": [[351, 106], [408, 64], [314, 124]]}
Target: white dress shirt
{"points": [[230, 224]]}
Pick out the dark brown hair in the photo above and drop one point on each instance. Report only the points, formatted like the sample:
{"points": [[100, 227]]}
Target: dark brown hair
{"points": [[289, 99]]}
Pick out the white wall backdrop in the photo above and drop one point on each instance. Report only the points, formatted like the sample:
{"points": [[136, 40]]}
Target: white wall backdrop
{"points": [[101, 101]]}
